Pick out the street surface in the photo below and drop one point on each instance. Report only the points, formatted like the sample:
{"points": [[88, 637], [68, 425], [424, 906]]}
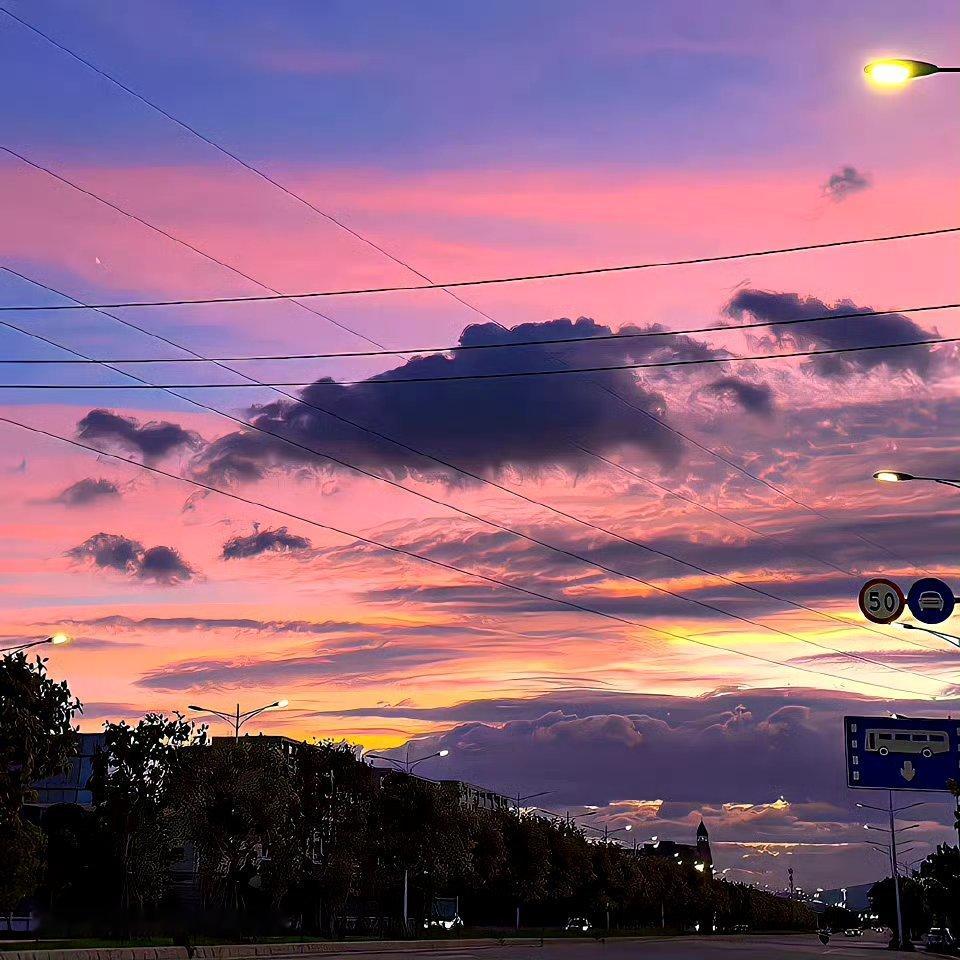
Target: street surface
{"points": [[792, 947]]}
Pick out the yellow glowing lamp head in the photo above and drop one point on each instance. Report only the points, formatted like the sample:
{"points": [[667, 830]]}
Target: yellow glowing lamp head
{"points": [[60, 638], [892, 476], [280, 704], [895, 73]]}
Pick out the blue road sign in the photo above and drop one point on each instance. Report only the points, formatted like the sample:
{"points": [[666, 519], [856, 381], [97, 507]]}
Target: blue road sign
{"points": [[930, 600], [908, 753]]}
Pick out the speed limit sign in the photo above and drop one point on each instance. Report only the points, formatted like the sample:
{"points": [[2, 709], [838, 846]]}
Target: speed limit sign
{"points": [[881, 600]]}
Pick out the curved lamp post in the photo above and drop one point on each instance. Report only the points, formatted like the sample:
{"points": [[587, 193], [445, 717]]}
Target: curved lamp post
{"points": [[238, 719], [57, 639], [897, 72]]}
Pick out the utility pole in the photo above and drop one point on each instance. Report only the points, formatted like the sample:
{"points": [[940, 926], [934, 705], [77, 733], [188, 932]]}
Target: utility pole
{"points": [[896, 876]]}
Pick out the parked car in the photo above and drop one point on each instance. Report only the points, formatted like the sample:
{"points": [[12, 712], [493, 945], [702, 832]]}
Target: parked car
{"points": [[853, 932], [577, 925], [939, 938]]}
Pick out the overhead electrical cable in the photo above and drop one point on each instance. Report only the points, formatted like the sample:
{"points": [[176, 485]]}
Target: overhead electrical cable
{"points": [[381, 380], [505, 345], [533, 501], [210, 141], [166, 234], [403, 551], [357, 291]]}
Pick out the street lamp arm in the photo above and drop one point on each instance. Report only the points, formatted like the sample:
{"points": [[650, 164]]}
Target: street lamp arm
{"points": [[430, 756], [949, 637], [380, 756], [216, 713]]}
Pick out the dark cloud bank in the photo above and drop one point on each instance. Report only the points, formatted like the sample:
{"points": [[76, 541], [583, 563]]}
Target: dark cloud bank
{"points": [[88, 491], [113, 551]]}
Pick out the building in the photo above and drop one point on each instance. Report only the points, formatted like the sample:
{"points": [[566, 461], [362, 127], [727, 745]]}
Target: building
{"points": [[683, 853], [479, 798], [74, 784]]}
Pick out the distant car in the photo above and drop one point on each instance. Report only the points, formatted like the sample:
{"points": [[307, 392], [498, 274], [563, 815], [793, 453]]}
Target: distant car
{"points": [[853, 932], [443, 923], [577, 925], [939, 938]]}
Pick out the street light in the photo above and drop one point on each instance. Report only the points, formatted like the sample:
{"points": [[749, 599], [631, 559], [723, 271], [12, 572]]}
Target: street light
{"points": [[57, 639], [896, 476], [407, 765], [238, 719], [897, 72]]}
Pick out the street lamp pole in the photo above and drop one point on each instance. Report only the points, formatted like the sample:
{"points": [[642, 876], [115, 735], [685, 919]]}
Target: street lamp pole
{"points": [[891, 812], [57, 639], [236, 719]]}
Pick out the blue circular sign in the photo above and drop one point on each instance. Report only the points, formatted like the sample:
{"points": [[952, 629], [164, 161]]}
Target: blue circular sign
{"points": [[930, 600]]}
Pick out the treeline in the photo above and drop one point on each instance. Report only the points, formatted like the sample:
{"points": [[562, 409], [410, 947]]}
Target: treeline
{"points": [[930, 897], [255, 837]]}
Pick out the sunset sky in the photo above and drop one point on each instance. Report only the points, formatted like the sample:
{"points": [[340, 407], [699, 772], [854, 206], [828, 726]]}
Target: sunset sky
{"points": [[713, 523]]}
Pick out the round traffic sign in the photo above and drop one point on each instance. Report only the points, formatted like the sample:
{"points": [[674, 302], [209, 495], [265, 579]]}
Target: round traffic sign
{"points": [[930, 600], [881, 600]]}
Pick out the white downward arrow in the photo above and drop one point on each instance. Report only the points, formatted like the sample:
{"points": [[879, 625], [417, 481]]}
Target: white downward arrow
{"points": [[907, 771]]}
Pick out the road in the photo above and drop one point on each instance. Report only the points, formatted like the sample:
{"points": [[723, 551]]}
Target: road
{"points": [[871, 947]]}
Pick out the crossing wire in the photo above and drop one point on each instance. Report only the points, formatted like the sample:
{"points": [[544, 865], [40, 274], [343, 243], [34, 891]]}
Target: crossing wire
{"points": [[619, 397], [251, 381], [504, 345], [533, 501], [403, 551], [104, 74], [384, 381], [447, 285]]}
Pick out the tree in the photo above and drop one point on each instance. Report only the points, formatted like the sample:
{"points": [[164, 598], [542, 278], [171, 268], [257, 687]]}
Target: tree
{"points": [[241, 810], [939, 876], [134, 791], [37, 737], [23, 850], [912, 905]]}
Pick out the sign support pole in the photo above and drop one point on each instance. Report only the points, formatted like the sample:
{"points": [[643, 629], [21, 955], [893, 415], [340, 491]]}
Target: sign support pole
{"points": [[896, 877]]}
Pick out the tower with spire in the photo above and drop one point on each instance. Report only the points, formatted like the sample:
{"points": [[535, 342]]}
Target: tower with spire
{"points": [[703, 844]]}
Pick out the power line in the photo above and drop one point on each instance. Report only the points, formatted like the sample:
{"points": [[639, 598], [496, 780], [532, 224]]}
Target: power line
{"points": [[380, 380], [429, 285], [605, 388], [591, 271], [66, 181], [415, 450], [439, 563], [465, 347], [356, 234], [542, 543], [343, 226]]}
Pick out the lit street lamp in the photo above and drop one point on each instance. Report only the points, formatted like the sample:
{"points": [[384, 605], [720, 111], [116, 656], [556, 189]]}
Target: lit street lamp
{"points": [[238, 719], [895, 476], [896, 72], [58, 639]]}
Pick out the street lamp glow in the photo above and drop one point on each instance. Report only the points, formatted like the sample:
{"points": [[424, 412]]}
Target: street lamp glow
{"points": [[444, 753], [892, 476], [58, 639], [280, 704], [896, 72]]}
